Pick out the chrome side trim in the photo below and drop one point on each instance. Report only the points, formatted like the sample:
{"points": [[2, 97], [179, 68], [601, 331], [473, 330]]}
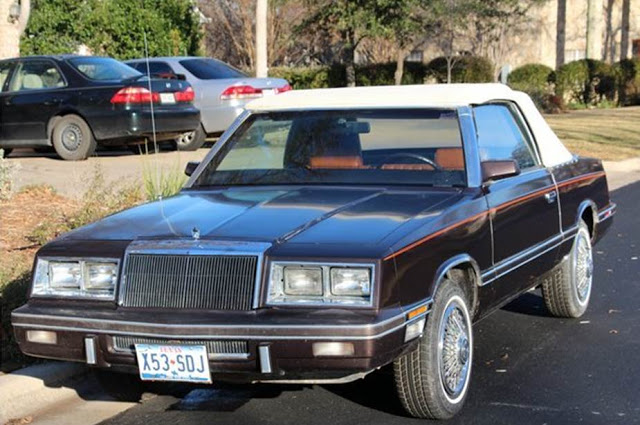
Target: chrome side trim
{"points": [[607, 212], [343, 380], [523, 257]]}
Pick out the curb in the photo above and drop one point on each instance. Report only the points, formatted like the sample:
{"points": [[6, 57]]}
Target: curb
{"points": [[33, 389], [622, 173]]}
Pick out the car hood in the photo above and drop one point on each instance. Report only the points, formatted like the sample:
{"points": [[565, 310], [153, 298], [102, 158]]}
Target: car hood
{"points": [[331, 215]]}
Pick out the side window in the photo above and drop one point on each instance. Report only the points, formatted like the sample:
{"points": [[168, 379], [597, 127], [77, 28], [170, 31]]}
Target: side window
{"points": [[156, 68], [35, 75], [500, 137], [5, 68]]}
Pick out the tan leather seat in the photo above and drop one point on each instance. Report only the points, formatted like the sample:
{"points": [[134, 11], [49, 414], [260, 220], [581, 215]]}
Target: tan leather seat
{"points": [[450, 159], [335, 162]]}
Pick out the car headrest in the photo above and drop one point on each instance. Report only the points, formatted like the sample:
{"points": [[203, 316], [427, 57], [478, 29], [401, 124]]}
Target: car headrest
{"points": [[335, 162], [450, 158], [32, 82]]}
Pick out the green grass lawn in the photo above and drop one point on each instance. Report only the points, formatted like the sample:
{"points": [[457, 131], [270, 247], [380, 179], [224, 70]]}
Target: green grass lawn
{"points": [[609, 134]]}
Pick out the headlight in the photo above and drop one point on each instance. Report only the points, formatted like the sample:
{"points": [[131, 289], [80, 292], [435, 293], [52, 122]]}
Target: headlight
{"points": [[320, 284], [350, 281], [91, 278]]}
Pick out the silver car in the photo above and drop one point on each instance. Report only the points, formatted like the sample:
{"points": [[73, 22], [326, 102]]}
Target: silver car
{"points": [[221, 91]]}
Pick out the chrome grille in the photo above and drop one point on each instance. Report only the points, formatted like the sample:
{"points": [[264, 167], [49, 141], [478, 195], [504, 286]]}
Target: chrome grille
{"points": [[206, 282], [214, 348]]}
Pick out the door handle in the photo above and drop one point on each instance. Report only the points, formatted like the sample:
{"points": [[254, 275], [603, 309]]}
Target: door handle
{"points": [[551, 196]]}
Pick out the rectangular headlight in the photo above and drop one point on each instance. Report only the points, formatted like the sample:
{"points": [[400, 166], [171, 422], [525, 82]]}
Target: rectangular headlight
{"points": [[303, 280], [320, 284], [91, 278], [351, 281]]}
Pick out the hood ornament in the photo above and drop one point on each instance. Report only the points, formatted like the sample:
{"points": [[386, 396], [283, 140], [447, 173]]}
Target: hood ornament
{"points": [[195, 233]]}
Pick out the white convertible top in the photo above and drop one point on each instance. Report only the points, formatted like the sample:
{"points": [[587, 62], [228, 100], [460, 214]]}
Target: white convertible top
{"points": [[552, 150]]}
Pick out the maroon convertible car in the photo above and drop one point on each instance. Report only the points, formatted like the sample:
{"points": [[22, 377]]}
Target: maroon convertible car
{"points": [[330, 233]]}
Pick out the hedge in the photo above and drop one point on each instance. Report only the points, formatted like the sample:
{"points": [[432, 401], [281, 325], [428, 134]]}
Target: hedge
{"points": [[628, 75], [533, 77], [587, 82], [468, 69]]}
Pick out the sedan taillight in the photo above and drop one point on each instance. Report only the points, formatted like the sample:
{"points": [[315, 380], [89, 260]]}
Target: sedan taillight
{"points": [[186, 95], [240, 92], [283, 89], [134, 95]]}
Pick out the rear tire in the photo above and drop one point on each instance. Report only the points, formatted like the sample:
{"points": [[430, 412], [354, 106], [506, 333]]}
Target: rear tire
{"points": [[433, 380], [191, 141], [72, 138], [121, 386], [566, 291]]}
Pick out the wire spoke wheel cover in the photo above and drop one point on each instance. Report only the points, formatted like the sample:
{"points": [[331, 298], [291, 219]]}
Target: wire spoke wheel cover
{"points": [[455, 349], [583, 266]]}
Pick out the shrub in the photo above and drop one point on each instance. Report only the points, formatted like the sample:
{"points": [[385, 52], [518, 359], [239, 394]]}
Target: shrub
{"points": [[628, 74], [537, 81], [532, 78], [587, 82], [311, 78], [466, 69], [7, 171]]}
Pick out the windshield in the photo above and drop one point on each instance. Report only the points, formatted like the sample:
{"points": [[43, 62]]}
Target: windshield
{"points": [[103, 69], [342, 147], [210, 69]]}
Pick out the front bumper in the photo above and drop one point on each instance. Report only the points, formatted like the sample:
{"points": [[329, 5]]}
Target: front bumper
{"points": [[277, 349], [136, 123]]}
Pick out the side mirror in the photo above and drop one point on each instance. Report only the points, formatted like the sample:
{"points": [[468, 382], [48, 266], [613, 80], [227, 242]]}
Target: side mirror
{"points": [[496, 170], [191, 167]]}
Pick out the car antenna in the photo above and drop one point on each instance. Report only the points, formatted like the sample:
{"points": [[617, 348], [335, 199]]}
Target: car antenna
{"points": [[153, 130]]}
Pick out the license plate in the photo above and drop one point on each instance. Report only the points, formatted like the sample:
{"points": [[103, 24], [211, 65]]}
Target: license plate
{"points": [[167, 98], [183, 363], [268, 92]]}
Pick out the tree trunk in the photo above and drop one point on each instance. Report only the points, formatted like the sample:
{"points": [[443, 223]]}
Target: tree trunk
{"points": [[261, 38], [594, 31], [449, 69], [350, 57], [402, 54], [561, 32], [624, 34], [10, 31]]}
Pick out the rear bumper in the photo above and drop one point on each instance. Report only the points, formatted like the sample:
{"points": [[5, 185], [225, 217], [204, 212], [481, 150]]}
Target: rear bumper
{"points": [[216, 119], [137, 123], [274, 351]]}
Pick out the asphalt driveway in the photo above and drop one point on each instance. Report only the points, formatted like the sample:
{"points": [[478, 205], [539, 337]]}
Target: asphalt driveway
{"points": [[529, 368]]}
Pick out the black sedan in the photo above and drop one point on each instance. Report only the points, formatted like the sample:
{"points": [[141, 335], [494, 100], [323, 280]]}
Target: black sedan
{"points": [[74, 103]]}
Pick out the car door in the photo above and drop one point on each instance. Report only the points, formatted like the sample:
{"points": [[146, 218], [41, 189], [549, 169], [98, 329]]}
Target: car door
{"points": [[5, 74], [523, 209], [34, 94]]}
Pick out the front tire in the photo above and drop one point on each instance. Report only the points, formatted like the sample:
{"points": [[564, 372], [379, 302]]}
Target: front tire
{"points": [[433, 380], [567, 292], [191, 141], [72, 138]]}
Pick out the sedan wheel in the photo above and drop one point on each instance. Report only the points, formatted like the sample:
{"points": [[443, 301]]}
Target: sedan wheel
{"points": [[72, 138], [567, 291], [433, 379]]}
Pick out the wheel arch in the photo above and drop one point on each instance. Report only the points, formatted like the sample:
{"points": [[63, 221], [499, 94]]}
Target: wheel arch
{"points": [[588, 211], [466, 264], [58, 116]]}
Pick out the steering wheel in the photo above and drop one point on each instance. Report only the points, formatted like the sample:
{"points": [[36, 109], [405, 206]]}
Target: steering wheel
{"points": [[410, 155]]}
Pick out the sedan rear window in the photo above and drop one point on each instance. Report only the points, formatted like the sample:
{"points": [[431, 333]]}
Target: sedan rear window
{"points": [[210, 69], [406, 147], [103, 69]]}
